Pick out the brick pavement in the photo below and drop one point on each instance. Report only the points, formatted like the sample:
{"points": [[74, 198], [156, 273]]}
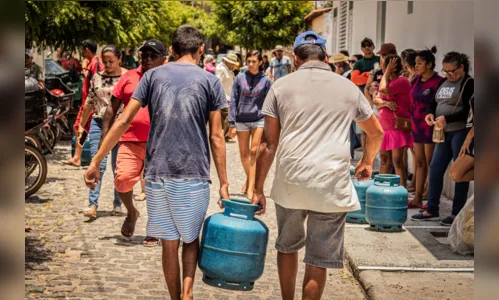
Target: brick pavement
{"points": [[69, 258]]}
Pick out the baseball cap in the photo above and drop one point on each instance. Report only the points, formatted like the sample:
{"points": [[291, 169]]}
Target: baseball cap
{"points": [[154, 45], [366, 40], [28, 52], [301, 40], [278, 47], [387, 49]]}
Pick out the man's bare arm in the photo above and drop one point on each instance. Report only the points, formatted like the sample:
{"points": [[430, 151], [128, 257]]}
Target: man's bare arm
{"points": [[110, 116], [217, 144], [374, 133], [271, 134], [119, 128]]}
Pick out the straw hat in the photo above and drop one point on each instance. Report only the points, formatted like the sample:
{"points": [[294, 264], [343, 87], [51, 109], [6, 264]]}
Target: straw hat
{"points": [[340, 57], [231, 58]]}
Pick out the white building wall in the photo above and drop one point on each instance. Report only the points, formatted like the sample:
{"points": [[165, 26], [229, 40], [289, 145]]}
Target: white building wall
{"points": [[364, 23], [446, 24]]}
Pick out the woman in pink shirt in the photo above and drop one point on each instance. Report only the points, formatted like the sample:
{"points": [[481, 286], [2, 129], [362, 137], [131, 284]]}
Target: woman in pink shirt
{"points": [[394, 100]]}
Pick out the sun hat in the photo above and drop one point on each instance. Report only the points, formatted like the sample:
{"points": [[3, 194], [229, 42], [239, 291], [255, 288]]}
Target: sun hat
{"points": [[231, 58]]}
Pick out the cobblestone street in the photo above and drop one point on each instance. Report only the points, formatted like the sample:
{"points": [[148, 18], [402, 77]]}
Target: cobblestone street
{"points": [[67, 257]]}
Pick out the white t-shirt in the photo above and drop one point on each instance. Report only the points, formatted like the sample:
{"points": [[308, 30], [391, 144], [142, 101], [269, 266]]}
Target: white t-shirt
{"points": [[226, 76], [315, 108]]}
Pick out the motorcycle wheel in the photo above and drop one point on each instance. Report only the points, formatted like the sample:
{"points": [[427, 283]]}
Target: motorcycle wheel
{"points": [[33, 160], [33, 140], [56, 131]]}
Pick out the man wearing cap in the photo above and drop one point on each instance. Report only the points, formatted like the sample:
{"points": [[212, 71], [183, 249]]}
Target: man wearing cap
{"points": [[132, 145], [226, 76], [280, 65], [307, 117], [95, 65], [32, 69], [362, 67], [182, 99], [359, 76]]}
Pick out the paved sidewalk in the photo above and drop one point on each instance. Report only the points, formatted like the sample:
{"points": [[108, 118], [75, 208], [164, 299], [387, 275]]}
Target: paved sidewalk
{"points": [[67, 257]]}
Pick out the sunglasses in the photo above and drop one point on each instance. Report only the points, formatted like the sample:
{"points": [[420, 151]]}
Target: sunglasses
{"points": [[366, 45], [450, 72], [351, 61], [153, 56]]}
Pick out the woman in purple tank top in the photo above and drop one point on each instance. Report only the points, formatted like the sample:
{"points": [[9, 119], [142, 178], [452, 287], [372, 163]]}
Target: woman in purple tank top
{"points": [[423, 92]]}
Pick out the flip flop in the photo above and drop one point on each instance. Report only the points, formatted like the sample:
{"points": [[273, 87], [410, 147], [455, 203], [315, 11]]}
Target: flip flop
{"points": [[70, 163], [423, 209], [129, 225], [410, 205], [140, 197], [147, 242]]}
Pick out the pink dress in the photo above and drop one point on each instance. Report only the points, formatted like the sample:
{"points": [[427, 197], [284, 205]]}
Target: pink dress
{"points": [[400, 90]]}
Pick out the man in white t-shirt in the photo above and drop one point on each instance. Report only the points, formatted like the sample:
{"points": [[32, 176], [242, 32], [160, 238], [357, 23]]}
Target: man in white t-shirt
{"points": [[307, 117], [280, 65], [226, 75]]}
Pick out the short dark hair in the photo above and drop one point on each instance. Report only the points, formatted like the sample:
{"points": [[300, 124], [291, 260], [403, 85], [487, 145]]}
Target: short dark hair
{"points": [[398, 66], [345, 52], [404, 53], [265, 56], [310, 51], [428, 55], [186, 40], [113, 49], [255, 53], [458, 59], [90, 45]]}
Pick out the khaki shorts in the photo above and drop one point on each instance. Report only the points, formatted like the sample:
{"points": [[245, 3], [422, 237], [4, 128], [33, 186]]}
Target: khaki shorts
{"points": [[323, 240]]}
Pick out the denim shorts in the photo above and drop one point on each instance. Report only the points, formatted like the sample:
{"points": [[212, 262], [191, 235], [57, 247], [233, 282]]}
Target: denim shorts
{"points": [[323, 240], [247, 126]]}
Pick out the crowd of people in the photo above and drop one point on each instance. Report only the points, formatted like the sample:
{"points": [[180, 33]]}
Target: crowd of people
{"points": [[308, 113]]}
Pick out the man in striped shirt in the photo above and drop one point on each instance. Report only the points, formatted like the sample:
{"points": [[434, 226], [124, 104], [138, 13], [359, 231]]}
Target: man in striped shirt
{"points": [[182, 98]]}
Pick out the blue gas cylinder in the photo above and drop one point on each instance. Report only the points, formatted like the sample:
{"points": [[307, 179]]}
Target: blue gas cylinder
{"points": [[386, 203], [233, 247], [86, 157], [359, 216]]}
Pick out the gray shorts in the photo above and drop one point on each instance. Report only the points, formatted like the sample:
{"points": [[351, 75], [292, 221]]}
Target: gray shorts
{"points": [[323, 240], [247, 126]]}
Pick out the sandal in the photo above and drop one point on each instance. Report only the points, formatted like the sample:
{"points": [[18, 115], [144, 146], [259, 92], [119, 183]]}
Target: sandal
{"points": [[128, 226], [150, 241], [71, 163], [410, 205], [140, 197], [423, 209], [90, 212]]}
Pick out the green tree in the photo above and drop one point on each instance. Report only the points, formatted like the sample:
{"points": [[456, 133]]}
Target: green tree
{"points": [[175, 13], [260, 24], [68, 23]]}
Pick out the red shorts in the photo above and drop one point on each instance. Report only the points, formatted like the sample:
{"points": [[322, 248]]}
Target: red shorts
{"points": [[129, 165]]}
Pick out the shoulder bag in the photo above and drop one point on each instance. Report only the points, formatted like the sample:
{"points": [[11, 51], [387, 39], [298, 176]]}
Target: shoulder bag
{"points": [[439, 133]]}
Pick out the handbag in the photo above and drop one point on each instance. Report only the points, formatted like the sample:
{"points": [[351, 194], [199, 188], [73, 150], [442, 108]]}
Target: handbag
{"points": [[403, 124], [438, 136]]}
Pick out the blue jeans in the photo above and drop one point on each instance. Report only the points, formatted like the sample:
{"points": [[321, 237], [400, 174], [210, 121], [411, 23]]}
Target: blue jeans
{"points": [[94, 139], [444, 153]]}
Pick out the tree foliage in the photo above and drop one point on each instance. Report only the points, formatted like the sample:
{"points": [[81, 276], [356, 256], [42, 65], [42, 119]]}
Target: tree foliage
{"points": [[260, 24], [174, 14], [123, 23]]}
